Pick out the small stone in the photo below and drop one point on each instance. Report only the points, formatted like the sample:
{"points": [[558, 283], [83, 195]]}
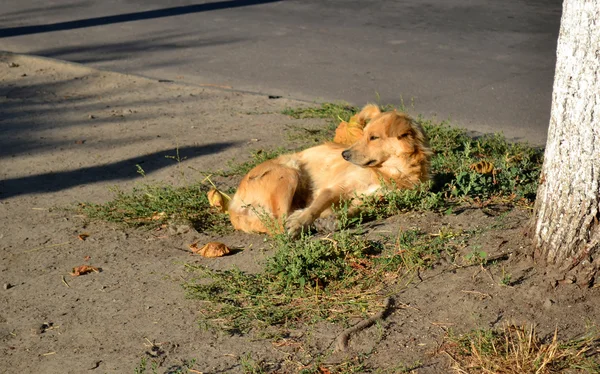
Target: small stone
{"points": [[13, 65], [6, 286], [91, 116], [548, 303]]}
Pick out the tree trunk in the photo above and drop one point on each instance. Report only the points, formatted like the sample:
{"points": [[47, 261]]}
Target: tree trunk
{"points": [[566, 214]]}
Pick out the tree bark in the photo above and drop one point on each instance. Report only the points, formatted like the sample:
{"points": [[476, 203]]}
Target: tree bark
{"points": [[566, 213]]}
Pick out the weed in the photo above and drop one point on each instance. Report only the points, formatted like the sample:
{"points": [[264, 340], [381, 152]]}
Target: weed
{"points": [[312, 279], [518, 350], [332, 111], [506, 278], [152, 205], [251, 366], [513, 173], [142, 366], [476, 256]]}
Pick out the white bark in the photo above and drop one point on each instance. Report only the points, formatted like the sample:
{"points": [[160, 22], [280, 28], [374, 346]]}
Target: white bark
{"points": [[566, 231]]}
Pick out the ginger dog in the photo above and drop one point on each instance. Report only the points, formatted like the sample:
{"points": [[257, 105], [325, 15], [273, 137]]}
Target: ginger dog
{"points": [[292, 191]]}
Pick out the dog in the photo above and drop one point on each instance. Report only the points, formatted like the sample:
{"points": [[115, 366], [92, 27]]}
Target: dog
{"points": [[290, 192]]}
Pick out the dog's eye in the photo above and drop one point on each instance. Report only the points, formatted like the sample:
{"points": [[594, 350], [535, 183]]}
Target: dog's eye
{"points": [[403, 135], [373, 137]]}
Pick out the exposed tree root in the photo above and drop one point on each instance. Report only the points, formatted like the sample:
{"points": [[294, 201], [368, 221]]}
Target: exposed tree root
{"points": [[341, 343]]}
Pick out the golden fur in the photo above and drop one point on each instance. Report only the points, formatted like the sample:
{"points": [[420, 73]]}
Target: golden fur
{"points": [[294, 190]]}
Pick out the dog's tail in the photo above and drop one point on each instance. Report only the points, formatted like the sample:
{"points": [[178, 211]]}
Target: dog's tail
{"points": [[349, 132], [218, 199]]}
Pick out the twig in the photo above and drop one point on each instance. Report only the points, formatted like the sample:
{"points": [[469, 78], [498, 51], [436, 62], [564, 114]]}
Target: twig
{"points": [[483, 295], [65, 282], [342, 340]]}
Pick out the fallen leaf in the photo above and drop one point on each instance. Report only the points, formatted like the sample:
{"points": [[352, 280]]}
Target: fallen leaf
{"points": [[82, 237], [482, 167], [158, 216], [84, 269], [212, 249], [218, 199]]}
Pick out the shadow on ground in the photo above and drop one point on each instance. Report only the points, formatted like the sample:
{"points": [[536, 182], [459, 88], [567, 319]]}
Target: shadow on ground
{"points": [[128, 17], [122, 170]]}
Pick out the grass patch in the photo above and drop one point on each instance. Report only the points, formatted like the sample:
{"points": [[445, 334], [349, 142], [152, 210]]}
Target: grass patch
{"points": [[519, 350], [152, 205], [331, 111], [315, 279], [334, 113]]}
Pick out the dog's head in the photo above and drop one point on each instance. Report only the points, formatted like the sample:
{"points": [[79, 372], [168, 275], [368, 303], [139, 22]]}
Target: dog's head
{"points": [[392, 140]]}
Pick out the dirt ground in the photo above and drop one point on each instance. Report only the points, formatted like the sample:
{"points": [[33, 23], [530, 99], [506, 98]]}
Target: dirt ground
{"points": [[68, 133]]}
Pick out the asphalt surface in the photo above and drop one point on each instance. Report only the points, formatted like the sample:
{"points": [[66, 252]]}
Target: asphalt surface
{"points": [[483, 64]]}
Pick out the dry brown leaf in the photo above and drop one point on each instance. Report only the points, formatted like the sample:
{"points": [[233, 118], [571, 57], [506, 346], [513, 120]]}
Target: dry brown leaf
{"points": [[83, 236], [84, 269], [482, 167], [218, 199], [158, 216], [212, 249]]}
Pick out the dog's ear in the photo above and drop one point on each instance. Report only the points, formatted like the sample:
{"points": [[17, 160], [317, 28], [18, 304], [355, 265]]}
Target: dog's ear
{"points": [[367, 113]]}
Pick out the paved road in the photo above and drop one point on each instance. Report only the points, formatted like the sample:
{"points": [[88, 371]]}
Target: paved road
{"points": [[484, 64]]}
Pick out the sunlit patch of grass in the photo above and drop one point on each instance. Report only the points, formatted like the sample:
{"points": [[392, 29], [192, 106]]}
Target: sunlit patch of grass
{"points": [[153, 205], [312, 279], [330, 111], [519, 350]]}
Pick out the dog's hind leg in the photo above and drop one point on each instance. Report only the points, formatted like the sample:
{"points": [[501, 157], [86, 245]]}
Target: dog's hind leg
{"points": [[303, 218], [265, 197]]}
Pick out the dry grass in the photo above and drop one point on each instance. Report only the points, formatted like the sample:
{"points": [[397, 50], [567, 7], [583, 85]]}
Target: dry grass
{"points": [[519, 350]]}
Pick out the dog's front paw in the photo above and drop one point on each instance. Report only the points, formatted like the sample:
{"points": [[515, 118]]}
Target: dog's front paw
{"points": [[326, 224], [296, 223]]}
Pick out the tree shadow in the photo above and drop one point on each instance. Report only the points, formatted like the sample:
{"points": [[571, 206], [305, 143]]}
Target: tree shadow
{"points": [[166, 42], [129, 17], [120, 170]]}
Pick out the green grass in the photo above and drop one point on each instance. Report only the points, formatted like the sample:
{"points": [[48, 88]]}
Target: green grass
{"points": [[331, 111], [153, 205], [315, 279], [516, 166]]}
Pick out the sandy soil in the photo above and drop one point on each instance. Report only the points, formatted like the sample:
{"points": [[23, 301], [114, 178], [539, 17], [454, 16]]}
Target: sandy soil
{"points": [[68, 133]]}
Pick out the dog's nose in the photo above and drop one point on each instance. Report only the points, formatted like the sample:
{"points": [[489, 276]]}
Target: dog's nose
{"points": [[346, 155]]}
